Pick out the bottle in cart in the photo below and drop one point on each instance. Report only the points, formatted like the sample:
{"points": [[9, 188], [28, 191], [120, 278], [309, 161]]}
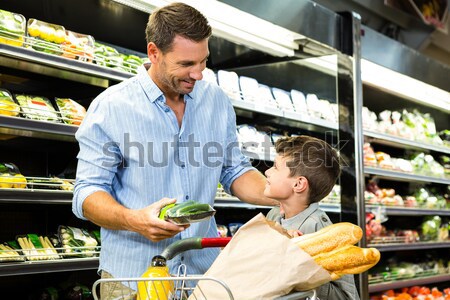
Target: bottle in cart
{"points": [[156, 289]]}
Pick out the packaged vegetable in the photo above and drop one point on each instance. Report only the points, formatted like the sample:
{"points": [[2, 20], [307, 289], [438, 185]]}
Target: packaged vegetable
{"points": [[37, 108], [77, 242], [186, 212], [10, 177], [8, 107], [8, 254], [71, 112], [78, 46], [12, 28], [52, 33], [36, 247]]}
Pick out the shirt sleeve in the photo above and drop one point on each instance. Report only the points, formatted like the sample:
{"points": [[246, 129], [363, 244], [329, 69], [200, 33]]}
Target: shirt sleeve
{"points": [[98, 158], [235, 163]]}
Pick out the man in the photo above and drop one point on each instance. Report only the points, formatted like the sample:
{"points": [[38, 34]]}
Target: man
{"points": [[160, 137]]}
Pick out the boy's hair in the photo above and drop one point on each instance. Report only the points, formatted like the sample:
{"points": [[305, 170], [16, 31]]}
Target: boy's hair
{"points": [[313, 159], [176, 19]]}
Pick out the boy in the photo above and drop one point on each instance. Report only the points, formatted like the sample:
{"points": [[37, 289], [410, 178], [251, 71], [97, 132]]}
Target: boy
{"points": [[304, 172]]}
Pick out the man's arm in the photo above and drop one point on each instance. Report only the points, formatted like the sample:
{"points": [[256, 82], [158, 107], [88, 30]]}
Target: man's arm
{"points": [[102, 209], [249, 187]]}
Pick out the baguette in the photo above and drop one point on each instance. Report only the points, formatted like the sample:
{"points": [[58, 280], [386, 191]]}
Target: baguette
{"points": [[329, 238], [348, 260]]}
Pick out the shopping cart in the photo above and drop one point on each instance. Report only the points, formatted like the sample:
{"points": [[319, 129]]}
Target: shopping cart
{"points": [[184, 284]]}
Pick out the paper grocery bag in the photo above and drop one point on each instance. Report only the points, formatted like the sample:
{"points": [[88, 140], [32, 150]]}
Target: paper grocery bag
{"points": [[261, 262]]}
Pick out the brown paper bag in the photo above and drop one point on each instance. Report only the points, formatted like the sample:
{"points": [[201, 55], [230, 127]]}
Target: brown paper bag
{"points": [[260, 262]]}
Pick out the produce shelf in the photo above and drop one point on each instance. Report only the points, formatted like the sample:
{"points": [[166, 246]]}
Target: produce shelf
{"points": [[409, 246], [399, 142], [17, 126], [379, 287], [56, 66], [49, 266], [399, 176], [409, 211], [38, 190], [35, 196], [222, 199], [282, 117]]}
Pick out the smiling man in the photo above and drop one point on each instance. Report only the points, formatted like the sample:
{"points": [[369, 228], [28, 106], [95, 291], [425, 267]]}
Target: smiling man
{"points": [[162, 136]]}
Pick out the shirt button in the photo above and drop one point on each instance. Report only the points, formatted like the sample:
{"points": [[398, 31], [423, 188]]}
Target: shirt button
{"points": [[324, 219], [166, 109], [183, 165], [182, 258], [187, 197]]}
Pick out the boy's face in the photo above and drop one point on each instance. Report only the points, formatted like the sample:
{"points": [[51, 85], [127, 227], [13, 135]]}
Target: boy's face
{"points": [[279, 184]]}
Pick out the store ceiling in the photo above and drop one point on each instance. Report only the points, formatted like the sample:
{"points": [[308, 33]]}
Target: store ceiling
{"points": [[401, 26]]}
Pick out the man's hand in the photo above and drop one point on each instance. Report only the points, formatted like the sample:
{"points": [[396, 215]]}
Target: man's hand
{"points": [[147, 222]]}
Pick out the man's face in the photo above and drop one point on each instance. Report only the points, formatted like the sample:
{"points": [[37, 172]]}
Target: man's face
{"points": [[179, 69], [279, 184]]}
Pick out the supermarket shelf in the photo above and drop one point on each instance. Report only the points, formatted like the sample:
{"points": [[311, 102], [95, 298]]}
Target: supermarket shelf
{"points": [[50, 266], [17, 126], [313, 121], [399, 142], [232, 202], [410, 246], [56, 66], [31, 196], [379, 287], [282, 117], [409, 211], [399, 176]]}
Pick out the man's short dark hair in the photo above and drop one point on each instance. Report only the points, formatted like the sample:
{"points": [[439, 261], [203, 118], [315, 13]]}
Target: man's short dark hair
{"points": [[176, 19], [314, 159]]}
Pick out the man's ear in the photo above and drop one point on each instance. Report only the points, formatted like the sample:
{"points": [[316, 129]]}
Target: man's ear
{"points": [[152, 52], [300, 184]]}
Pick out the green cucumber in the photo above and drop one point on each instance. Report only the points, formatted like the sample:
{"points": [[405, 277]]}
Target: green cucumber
{"points": [[164, 210], [193, 209]]}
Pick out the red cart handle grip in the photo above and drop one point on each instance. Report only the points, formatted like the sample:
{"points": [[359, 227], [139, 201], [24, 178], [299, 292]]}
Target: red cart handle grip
{"points": [[215, 242]]}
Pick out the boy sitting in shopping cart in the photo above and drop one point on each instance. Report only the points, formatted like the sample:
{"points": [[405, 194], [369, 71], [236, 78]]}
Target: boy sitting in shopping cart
{"points": [[304, 172]]}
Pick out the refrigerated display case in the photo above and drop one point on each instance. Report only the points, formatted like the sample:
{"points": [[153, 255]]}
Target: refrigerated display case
{"points": [[46, 149]]}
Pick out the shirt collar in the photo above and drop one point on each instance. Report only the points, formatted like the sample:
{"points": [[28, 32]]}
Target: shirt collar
{"points": [[301, 217], [151, 89]]}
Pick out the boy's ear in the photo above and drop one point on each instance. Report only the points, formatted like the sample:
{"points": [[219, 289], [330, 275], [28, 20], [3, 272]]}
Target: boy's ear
{"points": [[300, 184]]}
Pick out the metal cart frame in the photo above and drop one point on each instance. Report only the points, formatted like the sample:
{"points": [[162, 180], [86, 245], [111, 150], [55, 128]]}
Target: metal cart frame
{"points": [[185, 284]]}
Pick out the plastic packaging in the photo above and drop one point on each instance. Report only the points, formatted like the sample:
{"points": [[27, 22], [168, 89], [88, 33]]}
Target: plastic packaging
{"points": [[187, 212], [12, 28], [71, 112], [8, 107], [37, 108]]}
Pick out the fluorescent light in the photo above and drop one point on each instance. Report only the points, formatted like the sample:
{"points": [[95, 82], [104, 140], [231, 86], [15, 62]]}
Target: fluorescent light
{"points": [[404, 86], [234, 25]]}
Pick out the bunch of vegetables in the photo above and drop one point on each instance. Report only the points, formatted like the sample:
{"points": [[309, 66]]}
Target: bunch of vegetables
{"points": [[186, 212], [109, 57], [77, 242], [414, 293], [12, 28], [10, 177], [37, 108], [7, 105], [71, 112], [36, 247]]}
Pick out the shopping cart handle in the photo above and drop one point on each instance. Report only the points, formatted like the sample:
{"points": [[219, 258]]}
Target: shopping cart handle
{"points": [[193, 243]]}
